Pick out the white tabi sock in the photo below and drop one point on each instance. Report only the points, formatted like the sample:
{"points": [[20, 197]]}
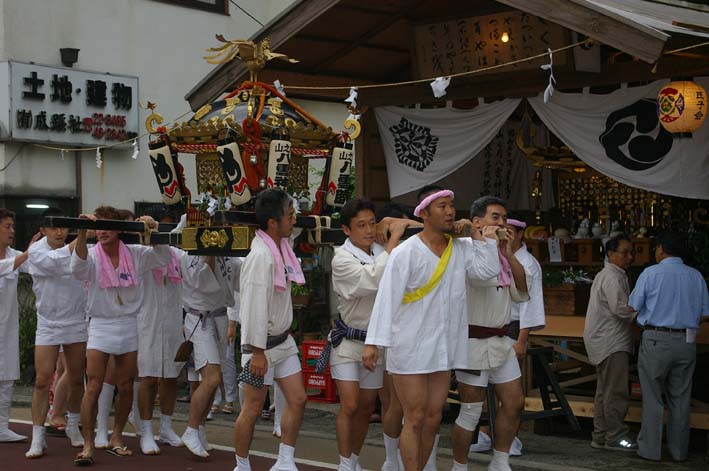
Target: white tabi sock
{"points": [[147, 441], [286, 458], [500, 461], [391, 446], [38, 442], [191, 440], [354, 462], [72, 429], [279, 405], [459, 466], [431, 463], [167, 433], [345, 464], [242, 464], [203, 438]]}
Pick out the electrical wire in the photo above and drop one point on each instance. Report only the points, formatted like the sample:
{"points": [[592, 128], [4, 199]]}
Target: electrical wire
{"points": [[247, 13], [13, 158]]}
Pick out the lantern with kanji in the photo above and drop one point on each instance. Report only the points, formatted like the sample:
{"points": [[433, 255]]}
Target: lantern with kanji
{"points": [[681, 106]]}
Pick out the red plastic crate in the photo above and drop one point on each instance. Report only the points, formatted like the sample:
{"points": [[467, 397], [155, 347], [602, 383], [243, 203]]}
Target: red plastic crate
{"points": [[310, 352], [324, 383]]}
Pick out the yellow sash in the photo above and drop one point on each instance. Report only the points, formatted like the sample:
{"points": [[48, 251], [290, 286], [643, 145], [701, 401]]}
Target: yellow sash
{"points": [[419, 293]]}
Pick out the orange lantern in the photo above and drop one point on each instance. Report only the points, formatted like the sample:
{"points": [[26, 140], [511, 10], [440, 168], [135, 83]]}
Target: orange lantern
{"points": [[681, 106]]}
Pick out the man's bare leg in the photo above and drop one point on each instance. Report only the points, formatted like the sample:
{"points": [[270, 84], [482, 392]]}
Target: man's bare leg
{"points": [[146, 396], [75, 366], [147, 390], [45, 361], [96, 363], [124, 375], [462, 436], [508, 416], [294, 394], [344, 425], [204, 394], [246, 421], [201, 400], [391, 424], [412, 391], [61, 394], [438, 385], [360, 426], [168, 396]]}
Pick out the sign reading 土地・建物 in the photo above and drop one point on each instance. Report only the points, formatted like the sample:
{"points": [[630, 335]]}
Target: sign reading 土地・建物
{"points": [[59, 105]]}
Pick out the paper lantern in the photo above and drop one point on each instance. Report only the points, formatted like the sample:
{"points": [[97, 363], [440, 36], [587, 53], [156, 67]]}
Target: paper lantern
{"points": [[681, 106]]}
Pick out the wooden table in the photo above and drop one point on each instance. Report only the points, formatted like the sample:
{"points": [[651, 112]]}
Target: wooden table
{"points": [[571, 328]]}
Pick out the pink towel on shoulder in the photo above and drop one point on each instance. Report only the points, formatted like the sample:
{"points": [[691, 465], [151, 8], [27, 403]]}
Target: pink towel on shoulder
{"points": [[107, 276], [174, 275], [287, 266], [505, 277]]}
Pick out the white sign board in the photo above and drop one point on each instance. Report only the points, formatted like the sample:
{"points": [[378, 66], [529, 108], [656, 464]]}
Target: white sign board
{"points": [[60, 105]]}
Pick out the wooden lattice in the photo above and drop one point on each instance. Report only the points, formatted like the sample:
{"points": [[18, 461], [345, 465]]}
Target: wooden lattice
{"points": [[298, 173], [209, 172]]}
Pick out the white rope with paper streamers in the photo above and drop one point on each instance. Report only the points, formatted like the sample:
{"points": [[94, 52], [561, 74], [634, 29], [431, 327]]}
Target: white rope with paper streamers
{"points": [[99, 160], [136, 151], [439, 86], [352, 99], [549, 91], [279, 86], [62, 153]]}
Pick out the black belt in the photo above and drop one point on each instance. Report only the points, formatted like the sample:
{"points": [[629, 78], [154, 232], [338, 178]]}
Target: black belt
{"points": [[272, 341], [664, 329]]}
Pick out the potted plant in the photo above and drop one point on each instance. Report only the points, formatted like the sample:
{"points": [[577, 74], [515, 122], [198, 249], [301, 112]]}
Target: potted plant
{"points": [[300, 295], [566, 292]]}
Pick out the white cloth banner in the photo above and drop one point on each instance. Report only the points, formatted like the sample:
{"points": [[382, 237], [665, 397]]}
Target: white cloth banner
{"points": [[422, 146], [619, 135]]}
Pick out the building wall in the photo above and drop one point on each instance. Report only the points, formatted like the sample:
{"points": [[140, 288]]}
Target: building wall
{"points": [[162, 44]]}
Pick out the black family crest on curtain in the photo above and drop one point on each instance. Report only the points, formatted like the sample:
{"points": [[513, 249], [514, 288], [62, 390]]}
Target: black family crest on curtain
{"points": [[414, 144], [634, 137]]}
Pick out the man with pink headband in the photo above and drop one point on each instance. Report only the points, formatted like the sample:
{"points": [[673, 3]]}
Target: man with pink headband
{"points": [[419, 316]]}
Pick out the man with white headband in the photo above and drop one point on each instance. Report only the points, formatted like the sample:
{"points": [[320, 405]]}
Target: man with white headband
{"points": [[420, 317], [491, 360]]}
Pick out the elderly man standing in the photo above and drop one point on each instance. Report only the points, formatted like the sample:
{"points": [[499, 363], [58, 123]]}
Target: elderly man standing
{"points": [[671, 298], [609, 344]]}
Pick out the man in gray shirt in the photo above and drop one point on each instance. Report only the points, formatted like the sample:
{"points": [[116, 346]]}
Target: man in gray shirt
{"points": [[609, 342]]}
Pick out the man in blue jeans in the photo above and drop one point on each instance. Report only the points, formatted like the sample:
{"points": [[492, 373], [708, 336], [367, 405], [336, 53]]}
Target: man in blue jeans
{"points": [[671, 299]]}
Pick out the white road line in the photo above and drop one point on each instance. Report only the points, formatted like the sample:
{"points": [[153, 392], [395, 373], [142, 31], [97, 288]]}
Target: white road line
{"points": [[260, 454]]}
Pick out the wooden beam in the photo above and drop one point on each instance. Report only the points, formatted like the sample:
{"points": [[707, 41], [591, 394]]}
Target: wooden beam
{"points": [[599, 24], [362, 39], [377, 47], [224, 76]]}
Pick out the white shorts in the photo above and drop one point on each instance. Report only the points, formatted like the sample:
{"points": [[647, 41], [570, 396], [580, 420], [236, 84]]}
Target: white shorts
{"points": [[354, 371], [209, 339], [46, 335], [506, 372], [115, 336], [287, 366], [193, 375]]}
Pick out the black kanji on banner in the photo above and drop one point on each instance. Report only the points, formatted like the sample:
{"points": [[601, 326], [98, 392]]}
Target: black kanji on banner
{"points": [[414, 144], [61, 88], [96, 93], [637, 126], [122, 96]]}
